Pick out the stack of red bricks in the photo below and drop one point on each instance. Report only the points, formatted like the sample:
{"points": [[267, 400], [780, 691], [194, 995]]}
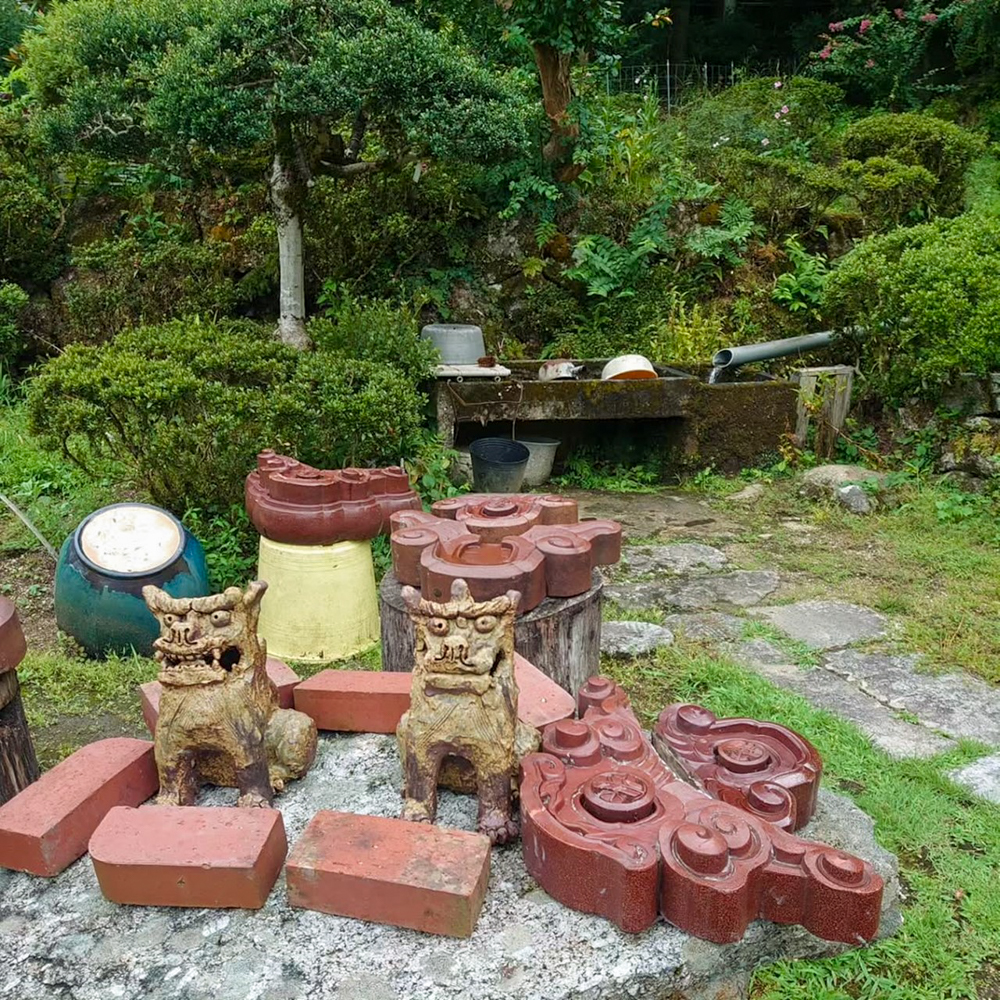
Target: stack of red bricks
{"points": [[372, 868]]}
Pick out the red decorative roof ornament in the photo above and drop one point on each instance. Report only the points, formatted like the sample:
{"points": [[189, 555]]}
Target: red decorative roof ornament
{"points": [[759, 766], [290, 502], [608, 828], [533, 544]]}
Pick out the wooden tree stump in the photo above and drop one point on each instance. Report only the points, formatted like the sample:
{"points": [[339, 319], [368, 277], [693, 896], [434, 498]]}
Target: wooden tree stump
{"points": [[562, 637], [18, 764]]}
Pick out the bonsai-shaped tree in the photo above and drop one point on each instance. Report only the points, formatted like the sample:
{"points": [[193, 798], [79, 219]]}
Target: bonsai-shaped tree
{"points": [[296, 88]]}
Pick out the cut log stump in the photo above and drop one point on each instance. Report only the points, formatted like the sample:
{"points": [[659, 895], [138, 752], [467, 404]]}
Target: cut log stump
{"points": [[562, 637]]}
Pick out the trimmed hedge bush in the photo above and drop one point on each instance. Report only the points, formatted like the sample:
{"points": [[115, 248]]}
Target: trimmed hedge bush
{"points": [[926, 304], [188, 404]]}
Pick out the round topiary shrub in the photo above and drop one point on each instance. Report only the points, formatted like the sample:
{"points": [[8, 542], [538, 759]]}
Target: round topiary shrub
{"points": [[921, 305], [188, 404], [942, 148]]}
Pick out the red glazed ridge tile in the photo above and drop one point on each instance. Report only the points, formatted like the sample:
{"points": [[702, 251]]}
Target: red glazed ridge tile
{"points": [[373, 701], [189, 856], [390, 871], [282, 676], [45, 828]]}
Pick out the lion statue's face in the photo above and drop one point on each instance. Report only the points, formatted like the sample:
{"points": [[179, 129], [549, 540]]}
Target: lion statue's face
{"points": [[464, 637], [206, 640]]}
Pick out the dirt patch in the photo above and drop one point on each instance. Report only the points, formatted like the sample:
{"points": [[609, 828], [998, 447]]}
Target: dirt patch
{"points": [[987, 980], [27, 579], [70, 732], [663, 516]]}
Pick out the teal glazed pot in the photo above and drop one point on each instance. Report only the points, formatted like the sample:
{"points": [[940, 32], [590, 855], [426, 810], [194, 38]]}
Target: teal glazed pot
{"points": [[106, 562]]}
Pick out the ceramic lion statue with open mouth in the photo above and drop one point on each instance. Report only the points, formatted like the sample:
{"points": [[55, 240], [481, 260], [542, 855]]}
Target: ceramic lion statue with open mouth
{"points": [[219, 721], [462, 728]]}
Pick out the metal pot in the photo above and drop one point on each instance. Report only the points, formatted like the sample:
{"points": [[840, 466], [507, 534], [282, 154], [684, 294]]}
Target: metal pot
{"points": [[561, 368]]}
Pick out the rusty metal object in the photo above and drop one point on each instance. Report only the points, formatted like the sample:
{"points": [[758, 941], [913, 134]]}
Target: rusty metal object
{"points": [[294, 503], [532, 544], [607, 828], [12, 642], [463, 709], [219, 720], [761, 767]]}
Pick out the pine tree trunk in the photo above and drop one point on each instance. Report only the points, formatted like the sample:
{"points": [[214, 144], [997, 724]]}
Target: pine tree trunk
{"points": [[292, 288]]}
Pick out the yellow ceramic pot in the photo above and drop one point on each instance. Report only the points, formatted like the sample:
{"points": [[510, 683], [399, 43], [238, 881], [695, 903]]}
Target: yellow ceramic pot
{"points": [[320, 603]]}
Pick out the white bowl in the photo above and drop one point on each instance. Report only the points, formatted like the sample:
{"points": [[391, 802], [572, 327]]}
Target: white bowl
{"points": [[628, 366]]}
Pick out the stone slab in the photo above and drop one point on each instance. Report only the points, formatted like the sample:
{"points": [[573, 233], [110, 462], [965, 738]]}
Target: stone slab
{"points": [[189, 856], [390, 871], [62, 936], [835, 694], [741, 588], [632, 639], [826, 625], [981, 777], [45, 828], [682, 558], [282, 676], [714, 626], [959, 705]]}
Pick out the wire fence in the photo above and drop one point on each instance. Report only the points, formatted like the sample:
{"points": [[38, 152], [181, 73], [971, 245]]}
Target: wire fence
{"points": [[674, 82]]}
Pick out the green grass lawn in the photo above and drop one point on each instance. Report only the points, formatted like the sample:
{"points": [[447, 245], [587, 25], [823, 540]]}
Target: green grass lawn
{"points": [[948, 842]]}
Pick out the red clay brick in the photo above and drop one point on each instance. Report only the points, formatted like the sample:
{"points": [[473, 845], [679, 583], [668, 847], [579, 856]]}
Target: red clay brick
{"points": [[390, 871], [355, 701], [189, 855], [373, 701], [45, 828], [540, 700], [282, 676]]}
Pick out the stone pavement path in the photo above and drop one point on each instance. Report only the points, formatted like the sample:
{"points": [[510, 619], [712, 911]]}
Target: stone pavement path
{"points": [[905, 712]]}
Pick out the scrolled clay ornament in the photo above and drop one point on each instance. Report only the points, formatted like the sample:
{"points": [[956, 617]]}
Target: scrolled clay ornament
{"points": [[219, 721], [463, 709]]}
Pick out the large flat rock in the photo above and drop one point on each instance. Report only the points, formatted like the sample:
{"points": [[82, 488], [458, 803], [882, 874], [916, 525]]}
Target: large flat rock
{"points": [[711, 626], [662, 515], [62, 938], [981, 777], [956, 704], [829, 691], [682, 558], [628, 640], [740, 589], [825, 624]]}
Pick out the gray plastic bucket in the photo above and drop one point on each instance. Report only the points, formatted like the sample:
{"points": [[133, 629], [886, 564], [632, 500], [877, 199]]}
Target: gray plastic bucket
{"points": [[498, 465], [543, 454], [457, 343]]}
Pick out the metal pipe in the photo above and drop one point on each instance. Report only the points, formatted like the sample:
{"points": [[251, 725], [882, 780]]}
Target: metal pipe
{"points": [[735, 357]]}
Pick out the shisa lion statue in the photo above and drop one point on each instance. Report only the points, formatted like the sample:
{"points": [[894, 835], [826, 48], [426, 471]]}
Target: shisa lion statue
{"points": [[219, 720], [462, 728]]}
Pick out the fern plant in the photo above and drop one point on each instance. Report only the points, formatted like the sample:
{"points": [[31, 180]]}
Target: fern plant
{"points": [[726, 241], [607, 268]]}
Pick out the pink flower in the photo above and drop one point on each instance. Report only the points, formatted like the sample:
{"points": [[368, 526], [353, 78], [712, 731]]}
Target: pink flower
{"points": [[900, 14], [778, 85], [824, 53], [928, 18], [777, 114], [869, 64], [864, 26], [784, 110], [836, 25], [765, 142]]}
